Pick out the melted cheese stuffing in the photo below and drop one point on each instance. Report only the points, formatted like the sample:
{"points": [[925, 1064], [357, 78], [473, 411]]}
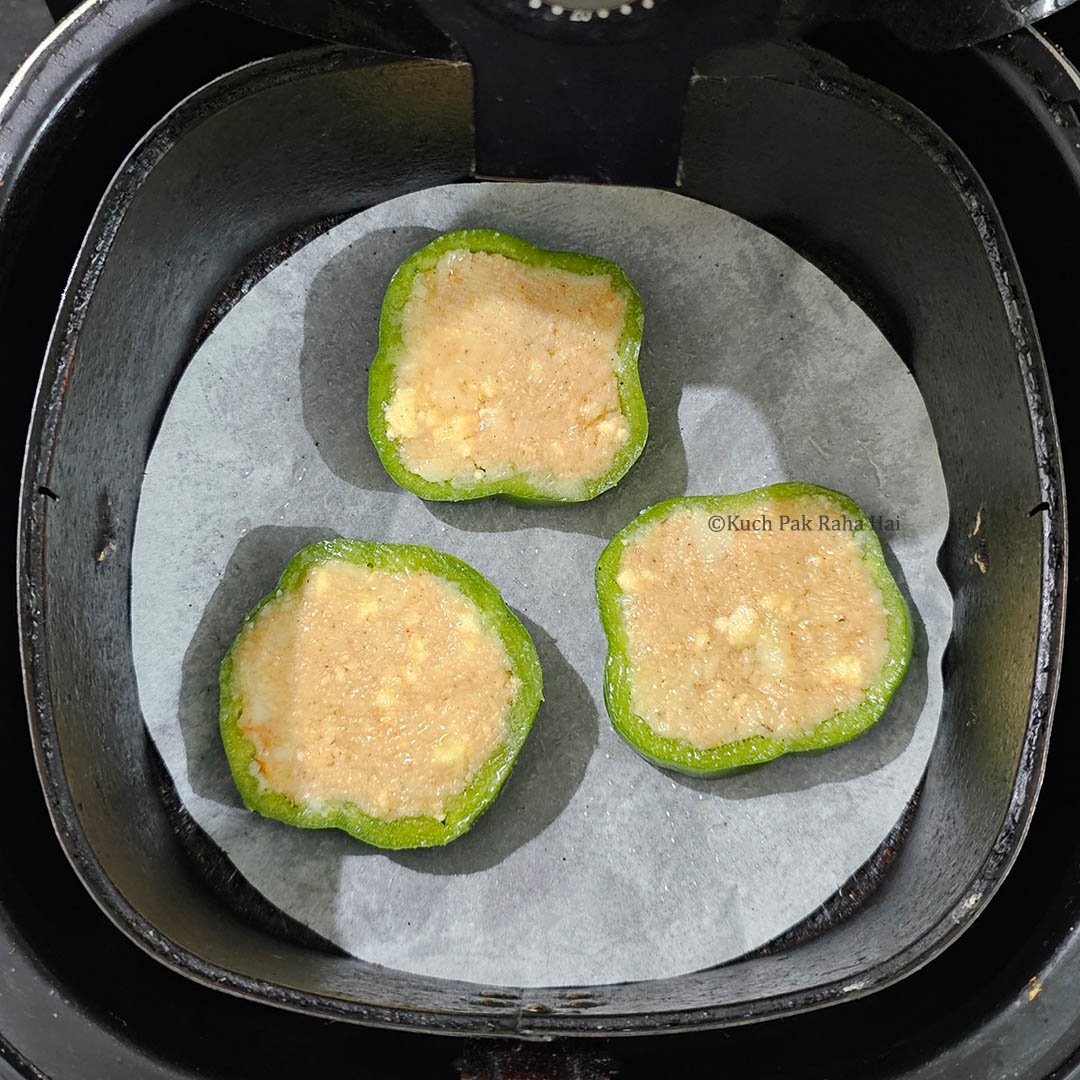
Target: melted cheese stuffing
{"points": [[757, 632], [372, 687], [508, 369]]}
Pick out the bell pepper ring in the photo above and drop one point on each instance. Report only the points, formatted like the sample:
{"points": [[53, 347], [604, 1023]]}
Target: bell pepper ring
{"points": [[507, 369], [382, 689], [739, 674]]}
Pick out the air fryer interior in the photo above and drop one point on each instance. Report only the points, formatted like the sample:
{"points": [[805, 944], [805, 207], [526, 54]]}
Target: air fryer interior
{"points": [[856, 180]]}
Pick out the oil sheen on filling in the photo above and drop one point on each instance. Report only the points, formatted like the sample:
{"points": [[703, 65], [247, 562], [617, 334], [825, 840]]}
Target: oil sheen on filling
{"points": [[749, 631], [372, 687], [509, 369]]}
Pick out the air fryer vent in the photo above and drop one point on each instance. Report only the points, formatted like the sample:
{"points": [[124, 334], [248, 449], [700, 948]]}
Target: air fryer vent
{"points": [[586, 10]]}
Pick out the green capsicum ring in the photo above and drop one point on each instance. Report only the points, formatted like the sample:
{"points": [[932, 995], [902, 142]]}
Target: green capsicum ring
{"points": [[517, 487], [681, 755], [461, 809]]}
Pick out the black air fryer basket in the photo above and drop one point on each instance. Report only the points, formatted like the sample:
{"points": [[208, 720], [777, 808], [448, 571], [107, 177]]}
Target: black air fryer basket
{"points": [[286, 116]]}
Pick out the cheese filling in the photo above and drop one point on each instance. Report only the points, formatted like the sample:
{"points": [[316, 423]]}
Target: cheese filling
{"points": [[508, 369], [749, 631], [373, 687]]}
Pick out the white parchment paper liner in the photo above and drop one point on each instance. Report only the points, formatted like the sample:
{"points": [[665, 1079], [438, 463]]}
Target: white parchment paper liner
{"points": [[592, 866]]}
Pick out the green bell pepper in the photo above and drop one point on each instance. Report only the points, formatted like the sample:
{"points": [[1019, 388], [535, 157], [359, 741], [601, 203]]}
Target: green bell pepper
{"points": [[683, 756], [523, 487], [462, 809]]}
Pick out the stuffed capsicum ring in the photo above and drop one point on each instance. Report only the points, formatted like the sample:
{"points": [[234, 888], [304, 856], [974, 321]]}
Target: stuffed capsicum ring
{"points": [[743, 627], [507, 369], [382, 689]]}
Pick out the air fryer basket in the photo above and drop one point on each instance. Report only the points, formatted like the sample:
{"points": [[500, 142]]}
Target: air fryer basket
{"points": [[852, 176]]}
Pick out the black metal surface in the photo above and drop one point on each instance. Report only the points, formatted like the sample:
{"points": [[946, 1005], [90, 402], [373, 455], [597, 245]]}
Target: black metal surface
{"points": [[240, 159], [23, 23], [967, 1015], [59, 8], [924, 24], [573, 103], [396, 24], [935, 26]]}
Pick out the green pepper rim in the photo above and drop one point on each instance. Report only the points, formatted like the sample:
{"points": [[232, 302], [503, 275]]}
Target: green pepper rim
{"points": [[461, 809], [519, 488], [842, 726]]}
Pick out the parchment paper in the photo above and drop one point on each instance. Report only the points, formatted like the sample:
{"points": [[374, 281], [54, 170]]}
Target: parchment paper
{"points": [[592, 866]]}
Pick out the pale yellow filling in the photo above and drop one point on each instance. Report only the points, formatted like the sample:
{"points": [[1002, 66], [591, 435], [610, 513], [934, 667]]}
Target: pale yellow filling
{"points": [[756, 632], [377, 688], [508, 369]]}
